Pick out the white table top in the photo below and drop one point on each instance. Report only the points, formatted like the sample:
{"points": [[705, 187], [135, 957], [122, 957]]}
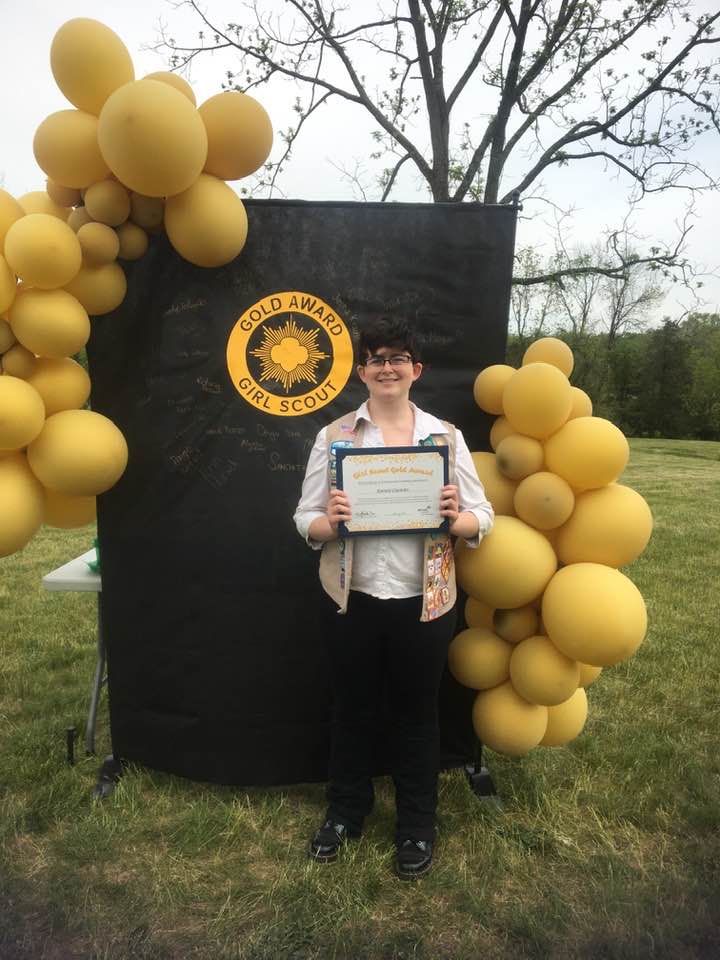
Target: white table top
{"points": [[74, 575]]}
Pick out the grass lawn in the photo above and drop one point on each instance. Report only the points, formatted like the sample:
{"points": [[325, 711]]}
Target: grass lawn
{"points": [[606, 848]]}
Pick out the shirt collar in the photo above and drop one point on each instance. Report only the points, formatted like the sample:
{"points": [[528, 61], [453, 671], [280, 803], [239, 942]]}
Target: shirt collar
{"points": [[425, 423]]}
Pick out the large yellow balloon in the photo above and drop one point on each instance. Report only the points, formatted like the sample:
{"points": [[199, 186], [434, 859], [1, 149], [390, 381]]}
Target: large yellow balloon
{"points": [[505, 722], [581, 404], [239, 135], [566, 720], [152, 138], [38, 201], [66, 148], [7, 337], [99, 289], [147, 212], [21, 503], [544, 500], [511, 566], [537, 400], [89, 62], [550, 350], [489, 385], [68, 512], [108, 202], [478, 614], [43, 251], [611, 525], [99, 243], [499, 489], [78, 452], [588, 452], [18, 361], [10, 211], [62, 383], [62, 196], [133, 241], [51, 323], [182, 86], [518, 456], [206, 224], [515, 625], [8, 285], [22, 413], [500, 429], [594, 614], [478, 658], [541, 673]]}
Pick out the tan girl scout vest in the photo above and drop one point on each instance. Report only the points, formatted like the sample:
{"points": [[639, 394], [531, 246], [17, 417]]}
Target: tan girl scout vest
{"points": [[439, 590]]}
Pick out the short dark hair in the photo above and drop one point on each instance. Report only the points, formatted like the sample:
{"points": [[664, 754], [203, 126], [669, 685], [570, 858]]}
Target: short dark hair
{"points": [[386, 332]]}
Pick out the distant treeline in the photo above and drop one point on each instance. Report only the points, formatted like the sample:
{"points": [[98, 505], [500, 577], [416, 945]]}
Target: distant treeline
{"points": [[659, 382]]}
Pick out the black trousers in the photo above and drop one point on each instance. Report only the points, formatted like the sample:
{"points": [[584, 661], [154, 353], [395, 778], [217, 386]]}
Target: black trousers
{"points": [[381, 644]]}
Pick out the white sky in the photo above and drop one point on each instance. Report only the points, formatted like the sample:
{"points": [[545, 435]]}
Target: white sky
{"points": [[338, 135]]}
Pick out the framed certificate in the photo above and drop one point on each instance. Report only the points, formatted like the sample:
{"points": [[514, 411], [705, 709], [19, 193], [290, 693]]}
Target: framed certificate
{"points": [[392, 489]]}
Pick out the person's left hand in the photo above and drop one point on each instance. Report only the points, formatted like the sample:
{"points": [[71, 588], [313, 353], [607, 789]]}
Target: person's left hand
{"points": [[449, 505]]}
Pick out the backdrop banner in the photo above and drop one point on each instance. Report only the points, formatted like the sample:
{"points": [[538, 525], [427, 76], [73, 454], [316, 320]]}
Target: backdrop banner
{"points": [[214, 617]]}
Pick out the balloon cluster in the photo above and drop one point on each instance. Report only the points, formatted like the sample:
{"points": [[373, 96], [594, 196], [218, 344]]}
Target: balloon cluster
{"points": [[547, 607], [132, 157]]}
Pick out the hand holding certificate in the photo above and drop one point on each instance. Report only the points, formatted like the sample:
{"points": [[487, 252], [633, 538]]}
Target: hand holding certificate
{"points": [[393, 489]]}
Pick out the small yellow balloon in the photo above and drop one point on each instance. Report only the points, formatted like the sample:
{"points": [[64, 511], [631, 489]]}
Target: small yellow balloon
{"points": [[79, 453], [10, 211], [176, 81], [147, 212], [66, 149], [566, 720], [21, 503], [108, 202], [8, 285], [478, 658], [611, 525], [518, 456], [22, 413], [544, 500], [489, 385], [18, 361], [133, 241], [99, 289], [50, 323], [43, 251], [206, 224], [537, 400], [68, 512], [594, 614], [38, 201], [78, 218], [99, 244], [89, 62], [511, 566], [588, 674], [550, 350], [541, 673], [515, 625], [239, 135], [499, 489], [478, 614], [62, 196], [500, 429], [506, 723], [588, 452], [7, 337], [581, 404], [62, 383], [152, 138]]}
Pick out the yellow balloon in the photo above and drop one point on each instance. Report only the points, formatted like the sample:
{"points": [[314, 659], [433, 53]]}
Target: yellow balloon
{"points": [[478, 614], [505, 722], [22, 413], [62, 383], [174, 80], [78, 218], [518, 456], [478, 658], [7, 337], [68, 512], [581, 404], [78, 452], [511, 566], [499, 489], [38, 201], [500, 429], [541, 674], [8, 285], [588, 674], [611, 525], [239, 135], [99, 289], [588, 452], [62, 196], [18, 361], [108, 202], [537, 400], [99, 243], [43, 251], [515, 625], [544, 500], [152, 138], [206, 224], [489, 385], [66, 148], [51, 323], [566, 720], [89, 62], [147, 212], [133, 241], [10, 211], [21, 503], [550, 350], [594, 614]]}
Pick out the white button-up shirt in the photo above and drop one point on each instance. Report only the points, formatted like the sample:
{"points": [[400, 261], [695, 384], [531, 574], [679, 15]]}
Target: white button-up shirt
{"points": [[390, 566]]}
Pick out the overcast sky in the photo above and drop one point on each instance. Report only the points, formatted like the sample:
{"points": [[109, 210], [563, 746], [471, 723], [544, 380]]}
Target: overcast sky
{"points": [[339, 135]]}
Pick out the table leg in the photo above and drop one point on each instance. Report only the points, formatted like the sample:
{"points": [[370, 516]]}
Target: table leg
{"points": [[98, 681]]}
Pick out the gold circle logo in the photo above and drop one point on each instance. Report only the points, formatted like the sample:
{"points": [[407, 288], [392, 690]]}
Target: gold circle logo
{"points": [[289, 354]]}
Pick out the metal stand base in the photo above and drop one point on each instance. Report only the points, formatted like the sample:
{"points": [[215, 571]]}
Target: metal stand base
{"points": [[479, 779], [108, 777]]}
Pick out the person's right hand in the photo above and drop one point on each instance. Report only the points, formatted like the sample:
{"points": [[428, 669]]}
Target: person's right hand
{"points": [[338, 508]]}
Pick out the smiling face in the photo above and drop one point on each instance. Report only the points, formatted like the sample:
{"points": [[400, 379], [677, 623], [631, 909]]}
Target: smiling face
{"points": [[389, 381]]}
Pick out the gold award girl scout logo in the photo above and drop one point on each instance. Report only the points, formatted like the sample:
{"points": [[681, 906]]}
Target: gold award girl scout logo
{"points": [[289, 354]]}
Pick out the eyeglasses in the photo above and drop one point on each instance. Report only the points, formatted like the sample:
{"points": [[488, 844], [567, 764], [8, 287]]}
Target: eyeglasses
{"points": [[397, 360]]}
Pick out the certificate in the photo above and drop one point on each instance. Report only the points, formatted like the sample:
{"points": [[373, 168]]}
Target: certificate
{"points": [[392, 489]]}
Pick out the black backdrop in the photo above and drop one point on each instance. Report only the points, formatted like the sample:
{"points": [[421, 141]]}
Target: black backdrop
{"points": [[211, 604]]}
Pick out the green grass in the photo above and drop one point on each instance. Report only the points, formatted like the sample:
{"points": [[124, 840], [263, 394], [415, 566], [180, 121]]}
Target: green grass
{"points": [[606, 848]]}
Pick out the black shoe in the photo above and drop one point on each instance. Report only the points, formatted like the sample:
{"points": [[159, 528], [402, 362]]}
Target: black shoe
{"points": [[326, 843], [413, 858]]}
